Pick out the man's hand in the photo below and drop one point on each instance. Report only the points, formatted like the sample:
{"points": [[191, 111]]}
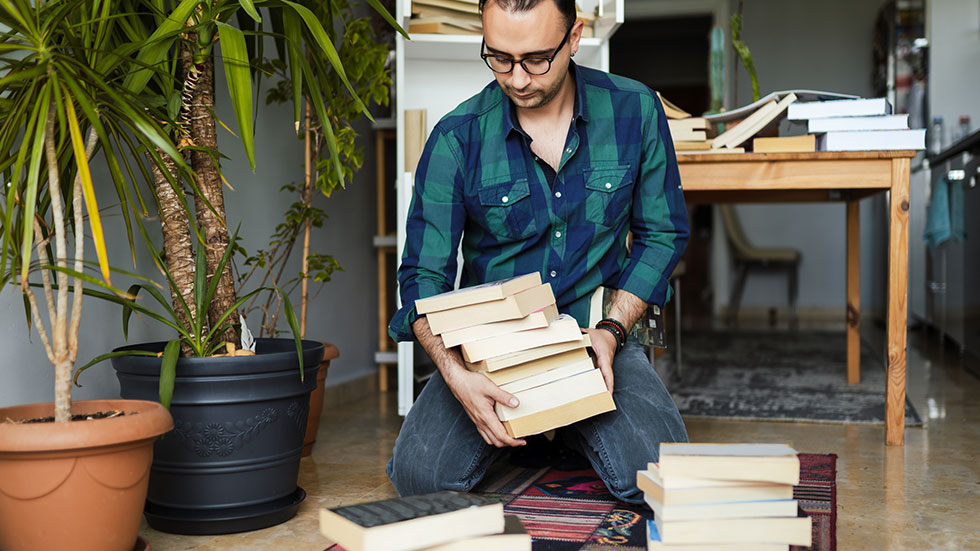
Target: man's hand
{"points": [[477, 394], [604, 346]]}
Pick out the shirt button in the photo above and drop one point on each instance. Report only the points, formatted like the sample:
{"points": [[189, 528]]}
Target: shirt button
{"points": [[558, 194], [557, 234], [568, 150], [554, 273], [608, 185], [504, 199]]}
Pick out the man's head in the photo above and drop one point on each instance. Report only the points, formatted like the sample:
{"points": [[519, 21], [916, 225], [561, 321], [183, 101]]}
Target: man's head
{"points": [[532, 31]]}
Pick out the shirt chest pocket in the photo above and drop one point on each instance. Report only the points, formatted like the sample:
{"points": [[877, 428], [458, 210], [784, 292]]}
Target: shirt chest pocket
{"points": [[507, 209], [608, 195]]}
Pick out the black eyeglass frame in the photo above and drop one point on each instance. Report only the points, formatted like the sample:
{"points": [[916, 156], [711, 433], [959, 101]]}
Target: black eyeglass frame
{"points": [[485, 55]]}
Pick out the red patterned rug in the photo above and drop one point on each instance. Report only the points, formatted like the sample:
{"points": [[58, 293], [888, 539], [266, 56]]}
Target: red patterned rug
{"points": [[574, 511]]}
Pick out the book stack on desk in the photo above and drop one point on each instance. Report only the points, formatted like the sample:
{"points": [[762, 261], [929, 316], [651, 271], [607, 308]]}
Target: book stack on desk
{"points": [[723, 497], [441, 521], [687, 132], [861, 124], [511, 331], [463, 17]]}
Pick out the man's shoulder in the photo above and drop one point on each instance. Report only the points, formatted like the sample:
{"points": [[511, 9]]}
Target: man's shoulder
{"points": [[471, 110], [614, 83]]}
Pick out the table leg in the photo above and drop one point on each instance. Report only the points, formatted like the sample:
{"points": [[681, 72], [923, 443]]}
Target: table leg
{"points": [[853, 292], [898, 265]]}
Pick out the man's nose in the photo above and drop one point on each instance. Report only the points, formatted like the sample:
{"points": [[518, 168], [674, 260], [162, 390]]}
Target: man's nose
{"points": [[519, 78]]}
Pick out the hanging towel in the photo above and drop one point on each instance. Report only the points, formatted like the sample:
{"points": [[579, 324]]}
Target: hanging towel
{"points": [[944, 220]]}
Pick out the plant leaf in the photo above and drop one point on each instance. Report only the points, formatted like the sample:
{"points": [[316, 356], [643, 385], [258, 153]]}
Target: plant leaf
{"points": [[249, 8], [287, 308], [157, 45], [85, 175], [235, 56], [387, 17], [294, 40], [168, 371], [109, 356]]}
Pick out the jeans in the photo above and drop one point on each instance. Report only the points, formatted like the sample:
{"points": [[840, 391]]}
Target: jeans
{"points": [[439, 448]]}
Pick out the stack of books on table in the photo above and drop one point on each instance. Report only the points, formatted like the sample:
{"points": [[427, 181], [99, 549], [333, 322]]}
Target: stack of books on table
{"points": [[442, 521], [860, 124], [445, 17], [511, 331], [724, 497], [688, 133]]}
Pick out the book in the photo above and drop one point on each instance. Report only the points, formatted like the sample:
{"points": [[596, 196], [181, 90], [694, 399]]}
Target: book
{"points": [[671, 110], [533, 367], [513, 538], [515, 306], [464, 6], [729, 509], [554, 394], [755, 123], [872, 140], [691, 491], [792, 530], [545, 377], [534, 320], [805, 143], [442, 25], [486, 292], [654, 544], [859, 107], [692, 146], [467, 12], [878, 122], [688, 136], [564, 328], [711, 151], [516, 358], [413, 522], [415, 135], [560, 416], [801, 95], [758, 462]]}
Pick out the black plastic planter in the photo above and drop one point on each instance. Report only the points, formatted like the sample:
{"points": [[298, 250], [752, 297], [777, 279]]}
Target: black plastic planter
{"points": [[232, 461]]}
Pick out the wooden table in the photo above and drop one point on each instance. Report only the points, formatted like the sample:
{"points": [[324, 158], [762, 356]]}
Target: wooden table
{"points": [[829, 176]]}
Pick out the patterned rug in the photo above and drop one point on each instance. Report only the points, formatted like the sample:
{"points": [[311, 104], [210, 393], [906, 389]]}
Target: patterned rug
{"points": [[777, 376]]}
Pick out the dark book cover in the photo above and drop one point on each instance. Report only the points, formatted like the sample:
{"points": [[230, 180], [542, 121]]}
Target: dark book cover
{"points": [[378, 513]]}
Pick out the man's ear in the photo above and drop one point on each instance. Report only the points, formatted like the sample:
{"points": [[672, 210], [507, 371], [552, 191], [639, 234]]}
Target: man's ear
{"points": [[575, 35]]}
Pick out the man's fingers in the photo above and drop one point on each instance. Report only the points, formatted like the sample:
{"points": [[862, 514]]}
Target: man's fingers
{"points": [[505, 398]]}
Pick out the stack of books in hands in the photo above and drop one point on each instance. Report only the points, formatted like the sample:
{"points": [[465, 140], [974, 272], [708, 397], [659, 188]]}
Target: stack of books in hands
{"points": [[511, 331], [724, 497], [442, 521]]}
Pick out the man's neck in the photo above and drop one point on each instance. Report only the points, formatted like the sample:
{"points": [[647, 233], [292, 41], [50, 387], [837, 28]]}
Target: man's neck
{"points": [[557, 110]]}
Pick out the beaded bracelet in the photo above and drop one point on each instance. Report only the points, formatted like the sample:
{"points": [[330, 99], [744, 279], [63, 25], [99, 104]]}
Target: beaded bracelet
{"points": [[615, 328]]}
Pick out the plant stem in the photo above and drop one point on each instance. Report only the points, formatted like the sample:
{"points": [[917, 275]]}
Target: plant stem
{"points": [[307, 201]]}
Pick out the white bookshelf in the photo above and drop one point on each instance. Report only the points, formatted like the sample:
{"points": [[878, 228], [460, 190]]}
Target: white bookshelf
{"points": [[436, 72]]}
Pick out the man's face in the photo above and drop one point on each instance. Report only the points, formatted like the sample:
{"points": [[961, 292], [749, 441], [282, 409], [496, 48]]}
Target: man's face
{"points": [[534, 33]]}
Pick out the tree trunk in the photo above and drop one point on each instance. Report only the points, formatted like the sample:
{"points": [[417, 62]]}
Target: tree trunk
{"points": [[203, 133], [179, 254]]}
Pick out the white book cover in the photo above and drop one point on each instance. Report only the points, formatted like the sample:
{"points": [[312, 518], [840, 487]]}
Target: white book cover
{"points": [[839, 108], [564, 328], [545, 377], [877, 122], [534, 320], [554, 394], [872, 140], [724, 450], [718, 510], [801, 95]]}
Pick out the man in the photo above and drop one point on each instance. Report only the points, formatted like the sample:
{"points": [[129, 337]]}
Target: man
{"points": [[548, 169]]}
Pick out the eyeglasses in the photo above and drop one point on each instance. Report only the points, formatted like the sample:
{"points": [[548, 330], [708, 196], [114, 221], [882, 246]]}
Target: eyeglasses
{"points": [[531, 65]]}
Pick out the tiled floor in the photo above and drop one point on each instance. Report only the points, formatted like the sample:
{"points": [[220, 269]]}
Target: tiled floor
{"points": [[921, 496]]}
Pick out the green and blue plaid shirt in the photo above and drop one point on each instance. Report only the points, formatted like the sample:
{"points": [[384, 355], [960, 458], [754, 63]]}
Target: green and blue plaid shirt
{"points": [[479, 183]]}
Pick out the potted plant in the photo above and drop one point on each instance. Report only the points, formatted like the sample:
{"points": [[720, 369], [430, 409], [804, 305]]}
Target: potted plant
{"points": [[220, 470], [84, 464]]}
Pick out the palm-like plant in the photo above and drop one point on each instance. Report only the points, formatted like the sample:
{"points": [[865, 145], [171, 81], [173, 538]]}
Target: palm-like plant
{"points": [[62, 65]]}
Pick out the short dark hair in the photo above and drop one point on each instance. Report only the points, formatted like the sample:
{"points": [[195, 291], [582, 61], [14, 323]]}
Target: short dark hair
{"points": [[566, 7]]}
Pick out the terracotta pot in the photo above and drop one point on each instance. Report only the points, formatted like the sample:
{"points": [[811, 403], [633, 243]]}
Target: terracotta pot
{"points": [[78, 485], [316, 398]]}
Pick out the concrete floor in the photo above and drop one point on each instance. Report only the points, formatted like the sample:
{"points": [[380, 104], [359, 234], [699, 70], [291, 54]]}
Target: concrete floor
{"points": [[921, 496]]}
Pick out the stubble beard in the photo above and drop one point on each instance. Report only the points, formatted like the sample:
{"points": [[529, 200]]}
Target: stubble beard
{"points": [[540, 98]]}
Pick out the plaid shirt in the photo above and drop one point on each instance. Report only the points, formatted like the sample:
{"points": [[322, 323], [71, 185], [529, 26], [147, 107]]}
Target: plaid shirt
{"points": [[479, 183]]}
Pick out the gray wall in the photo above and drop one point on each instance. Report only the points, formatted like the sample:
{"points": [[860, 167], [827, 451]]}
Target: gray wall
{"points": [[809, 45], [343, 313], [954, 60]]}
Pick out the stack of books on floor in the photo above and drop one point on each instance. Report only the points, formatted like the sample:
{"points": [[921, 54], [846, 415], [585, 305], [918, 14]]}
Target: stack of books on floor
{"points": [[462, 17], [511, 331], [724, 497], [861, 124], [442, 521]]}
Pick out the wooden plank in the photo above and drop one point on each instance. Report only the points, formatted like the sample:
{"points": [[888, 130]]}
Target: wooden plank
{"points": [[816, 155], [898, 263], [758, 196], [853, 292], [801, 174]]}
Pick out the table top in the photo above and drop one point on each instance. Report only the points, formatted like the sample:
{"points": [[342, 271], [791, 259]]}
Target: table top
{"points": [[709, 157]]}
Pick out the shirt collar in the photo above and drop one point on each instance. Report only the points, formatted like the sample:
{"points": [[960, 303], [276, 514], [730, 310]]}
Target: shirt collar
{"points": [[580, 111]]}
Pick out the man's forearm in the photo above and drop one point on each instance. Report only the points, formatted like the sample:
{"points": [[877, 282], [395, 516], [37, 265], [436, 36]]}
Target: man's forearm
{"points": [[626, 308], [447, 361]]}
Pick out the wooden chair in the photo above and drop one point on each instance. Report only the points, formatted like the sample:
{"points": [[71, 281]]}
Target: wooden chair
{"points": [[749, 257]]}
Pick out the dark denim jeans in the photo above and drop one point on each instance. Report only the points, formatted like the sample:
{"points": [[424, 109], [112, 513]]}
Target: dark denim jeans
{"points": [[438, 447]]}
